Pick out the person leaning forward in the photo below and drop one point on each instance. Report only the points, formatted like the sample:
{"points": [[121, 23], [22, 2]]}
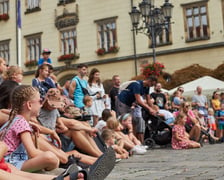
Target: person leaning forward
{"points": [[134, 93]]}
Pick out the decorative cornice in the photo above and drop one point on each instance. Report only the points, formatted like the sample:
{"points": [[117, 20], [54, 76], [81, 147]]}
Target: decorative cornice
{"points": [[195, 2], [105, 19], [66, 19]]}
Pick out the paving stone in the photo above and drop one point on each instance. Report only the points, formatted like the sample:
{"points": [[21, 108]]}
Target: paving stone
{"points": [[206, 163]]}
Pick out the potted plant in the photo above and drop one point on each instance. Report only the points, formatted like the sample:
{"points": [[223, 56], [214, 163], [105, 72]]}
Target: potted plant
{"points": [[68, 57], [113, 49], [100, 51], [30, 63], [154, 68], [4, 17]]}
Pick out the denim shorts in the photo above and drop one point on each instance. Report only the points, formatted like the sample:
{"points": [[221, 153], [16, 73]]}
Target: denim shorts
{"points": [[67, 143], [18, 157]]}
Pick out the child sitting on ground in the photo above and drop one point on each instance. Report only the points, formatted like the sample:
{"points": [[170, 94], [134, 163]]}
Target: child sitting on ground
{"points": [[127, 127], [113, 124], [117, 144], [101, 124], [17, 134], [180, 138]]}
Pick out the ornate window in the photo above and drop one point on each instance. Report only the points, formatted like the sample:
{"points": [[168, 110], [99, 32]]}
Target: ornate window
{"points": [[4, 7], [4, 50], [164, 36], [106, 33], [33, 47], [196, 21], [69, 41], [32, 6]]}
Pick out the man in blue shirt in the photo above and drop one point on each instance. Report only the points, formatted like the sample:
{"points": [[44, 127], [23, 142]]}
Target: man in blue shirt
{"points": [[134, 93], [45, 59], [77, 83]]}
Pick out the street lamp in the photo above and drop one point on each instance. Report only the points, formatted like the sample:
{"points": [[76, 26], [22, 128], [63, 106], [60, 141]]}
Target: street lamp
{"points": [[153, 19]]}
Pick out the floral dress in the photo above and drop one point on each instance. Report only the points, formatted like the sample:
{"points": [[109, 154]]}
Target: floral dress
{"points": [[184, 144]]}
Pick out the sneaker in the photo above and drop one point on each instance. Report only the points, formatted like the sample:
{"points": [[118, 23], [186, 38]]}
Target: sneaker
{"points": [[117, 160], [143, 147], [138, 151]]}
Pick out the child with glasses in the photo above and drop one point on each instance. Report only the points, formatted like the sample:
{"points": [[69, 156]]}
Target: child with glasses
{"points": [[17, 133]]}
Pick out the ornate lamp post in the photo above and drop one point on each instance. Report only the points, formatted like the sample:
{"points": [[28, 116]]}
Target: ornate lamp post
{"points": [[151, 20]]}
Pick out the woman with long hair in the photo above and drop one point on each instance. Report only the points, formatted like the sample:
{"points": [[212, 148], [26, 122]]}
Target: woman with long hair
{"points": [[96, 89]]}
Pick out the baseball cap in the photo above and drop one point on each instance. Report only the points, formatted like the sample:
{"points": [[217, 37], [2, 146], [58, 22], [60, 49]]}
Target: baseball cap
{"points": [[46, 50]]}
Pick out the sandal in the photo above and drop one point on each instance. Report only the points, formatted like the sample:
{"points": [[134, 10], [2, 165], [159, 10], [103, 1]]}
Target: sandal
{"points": [[79, 163], [72, 168], [103, 166], [73, 175]]}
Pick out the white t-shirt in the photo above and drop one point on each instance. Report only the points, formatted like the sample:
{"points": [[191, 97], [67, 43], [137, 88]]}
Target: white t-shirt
{"points": [[100, 125]]}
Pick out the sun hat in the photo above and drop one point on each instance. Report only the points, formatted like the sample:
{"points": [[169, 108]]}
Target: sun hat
{"points": [[53, 99], [201, 112]]}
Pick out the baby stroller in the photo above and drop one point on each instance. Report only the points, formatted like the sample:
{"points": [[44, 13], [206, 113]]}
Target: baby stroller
{"points": [[156, 130]]}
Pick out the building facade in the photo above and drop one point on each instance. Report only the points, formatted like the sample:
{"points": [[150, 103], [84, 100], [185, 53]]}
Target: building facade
{"points": [[98, 33]]}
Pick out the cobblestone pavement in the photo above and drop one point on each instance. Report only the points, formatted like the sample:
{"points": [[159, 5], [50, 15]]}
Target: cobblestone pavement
{"points": [[206, 163]]}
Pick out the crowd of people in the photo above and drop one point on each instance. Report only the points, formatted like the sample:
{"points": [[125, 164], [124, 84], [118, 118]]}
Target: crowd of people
{"points": [[82, 130]]}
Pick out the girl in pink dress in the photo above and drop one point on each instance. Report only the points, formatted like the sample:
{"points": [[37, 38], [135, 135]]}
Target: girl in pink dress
{"points": [[180, 138], [18, 135]]}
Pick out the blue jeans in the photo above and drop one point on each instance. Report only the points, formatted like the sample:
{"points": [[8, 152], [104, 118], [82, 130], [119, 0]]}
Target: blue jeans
{"points": [[18, 157]]}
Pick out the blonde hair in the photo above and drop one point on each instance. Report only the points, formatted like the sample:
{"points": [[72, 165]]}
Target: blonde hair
{"points": [[112, 123], [211, 110], [19, 96], [107, 134], [180, 116], [86, 99], [10, 73]]}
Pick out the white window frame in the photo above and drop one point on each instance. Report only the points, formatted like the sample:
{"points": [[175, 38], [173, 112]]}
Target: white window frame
{"points": [[164, 37], [5, 50], [68, 39], [196, 21], [4, 6], [106, 33], [33, 47], [32, 4]]}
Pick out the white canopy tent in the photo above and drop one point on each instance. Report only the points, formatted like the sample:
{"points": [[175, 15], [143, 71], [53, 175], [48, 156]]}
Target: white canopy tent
{"points": [[208, 84]]}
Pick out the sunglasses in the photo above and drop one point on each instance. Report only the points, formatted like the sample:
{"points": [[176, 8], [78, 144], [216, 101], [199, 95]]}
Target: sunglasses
{"points": [[187, 106], [40, 101]]}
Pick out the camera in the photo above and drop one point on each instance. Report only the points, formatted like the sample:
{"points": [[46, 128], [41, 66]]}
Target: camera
{"points": [[83, 117]]}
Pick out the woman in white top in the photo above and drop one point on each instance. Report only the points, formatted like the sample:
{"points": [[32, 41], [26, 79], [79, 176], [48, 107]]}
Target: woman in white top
{"points": [[96, 90]]}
